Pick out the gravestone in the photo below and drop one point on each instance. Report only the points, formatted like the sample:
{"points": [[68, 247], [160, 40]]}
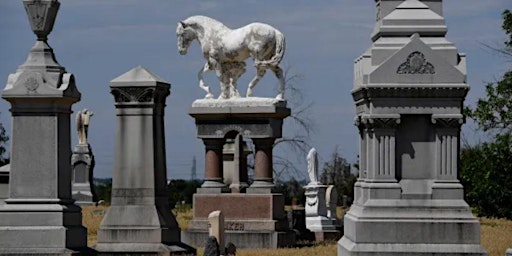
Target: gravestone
{"points": [[216, 228], [39, 216], [317, 220], [82, 162], [409, 89], [139, 220], [256, 218]]}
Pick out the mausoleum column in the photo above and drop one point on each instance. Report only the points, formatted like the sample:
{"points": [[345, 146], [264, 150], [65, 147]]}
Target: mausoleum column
{"points": [[213, 163], [381, 148], [447, 146], [263, 167]]}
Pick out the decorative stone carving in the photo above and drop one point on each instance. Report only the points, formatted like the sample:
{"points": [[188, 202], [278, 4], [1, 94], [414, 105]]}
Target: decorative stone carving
{"points": [[313, 166], [226, 50], [416, 64], [82, 125], [41, 15], [318, 198]]}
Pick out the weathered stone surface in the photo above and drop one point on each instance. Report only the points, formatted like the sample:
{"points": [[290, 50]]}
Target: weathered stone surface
{"points": [[250, 220], [226, 50], [39, 217], [216, 228], [409, 89], [82, 162], [140, 219]]}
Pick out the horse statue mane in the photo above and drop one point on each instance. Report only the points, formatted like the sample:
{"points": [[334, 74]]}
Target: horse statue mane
{"points": [[226, 50]]}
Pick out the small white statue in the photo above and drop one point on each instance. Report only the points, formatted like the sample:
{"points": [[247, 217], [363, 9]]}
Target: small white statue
{"points": [[226, 50], [82, 125], [313, 166]]}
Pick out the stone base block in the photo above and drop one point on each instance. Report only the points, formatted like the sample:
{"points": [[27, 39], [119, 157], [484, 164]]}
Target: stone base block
{"points": [[45, 251], [42, 229], [328, 235], [247, 239], [411, 227], [320, 223], [144, 249], [240, 206], [250, 220], [346, 247]]}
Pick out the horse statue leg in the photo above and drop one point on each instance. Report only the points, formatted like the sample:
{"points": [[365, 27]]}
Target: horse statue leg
{"points": [[203, 86], [260, 72], [280, 76]]}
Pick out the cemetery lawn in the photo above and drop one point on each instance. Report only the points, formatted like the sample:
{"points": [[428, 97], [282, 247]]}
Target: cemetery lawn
{"points": [[496, 235]]}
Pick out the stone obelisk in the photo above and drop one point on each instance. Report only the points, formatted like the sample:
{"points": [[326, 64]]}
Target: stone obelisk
{"points": [[39, 216]]}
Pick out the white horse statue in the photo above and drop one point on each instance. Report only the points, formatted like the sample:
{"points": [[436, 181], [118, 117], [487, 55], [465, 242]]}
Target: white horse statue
{"points": [[226, 51]]}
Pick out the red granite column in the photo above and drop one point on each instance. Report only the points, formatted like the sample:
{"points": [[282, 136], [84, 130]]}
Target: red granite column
{"points": [[213, 163], [263, 168]]}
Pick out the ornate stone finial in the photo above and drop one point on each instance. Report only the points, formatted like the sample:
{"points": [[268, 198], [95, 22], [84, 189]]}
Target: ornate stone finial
{"points": [[313, 166], [82, 125], [41, 16]]}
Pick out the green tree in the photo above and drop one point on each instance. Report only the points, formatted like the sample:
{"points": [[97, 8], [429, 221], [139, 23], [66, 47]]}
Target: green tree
{"points": [[486, 169], [337, 172], [3, 144], [487, 175]]}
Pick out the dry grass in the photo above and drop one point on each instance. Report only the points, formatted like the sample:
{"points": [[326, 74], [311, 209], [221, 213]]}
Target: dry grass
{"points": [[91, 219], [496, 235]]}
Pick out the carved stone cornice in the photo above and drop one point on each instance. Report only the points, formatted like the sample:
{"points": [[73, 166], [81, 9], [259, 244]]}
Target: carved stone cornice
{"points": [[409, 91], [379, 122], [156, 94], [448, 121]]}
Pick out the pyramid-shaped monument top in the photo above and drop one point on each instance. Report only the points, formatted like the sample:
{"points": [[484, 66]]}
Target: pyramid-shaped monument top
{"points": [[407, 18], [138, 76]]}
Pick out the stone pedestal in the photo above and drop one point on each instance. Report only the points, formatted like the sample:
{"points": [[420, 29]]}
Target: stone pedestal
{"points": [[317, 219], [409, 89], [250, 220], [82, 162], [140, 221], [39, 217], [254, 219]]}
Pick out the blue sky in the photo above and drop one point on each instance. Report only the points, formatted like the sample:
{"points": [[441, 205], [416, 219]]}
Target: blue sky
{"points": [[98, 40]]}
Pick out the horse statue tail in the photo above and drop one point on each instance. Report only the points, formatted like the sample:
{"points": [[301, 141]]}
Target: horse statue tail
{"points": [[278, 56]]}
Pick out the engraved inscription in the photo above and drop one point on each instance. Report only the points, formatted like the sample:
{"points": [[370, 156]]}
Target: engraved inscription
{"points": [[416, 64], [233, 226]]}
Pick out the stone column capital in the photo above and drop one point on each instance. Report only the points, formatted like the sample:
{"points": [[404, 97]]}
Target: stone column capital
{"points": [[448, 121], [382, 122]]}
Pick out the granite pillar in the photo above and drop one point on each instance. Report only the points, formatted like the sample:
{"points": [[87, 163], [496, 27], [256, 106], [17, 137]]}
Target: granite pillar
{"points": [[39, 216], [214, 182], [263, 168], [139, 220]]}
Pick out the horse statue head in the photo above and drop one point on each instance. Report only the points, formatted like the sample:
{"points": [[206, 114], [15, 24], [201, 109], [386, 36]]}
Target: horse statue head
{"points": [[226, 50], [185, 36]]}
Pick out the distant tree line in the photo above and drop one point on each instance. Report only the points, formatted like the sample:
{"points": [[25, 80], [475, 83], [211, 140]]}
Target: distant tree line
{"points": [[486, 168]]}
